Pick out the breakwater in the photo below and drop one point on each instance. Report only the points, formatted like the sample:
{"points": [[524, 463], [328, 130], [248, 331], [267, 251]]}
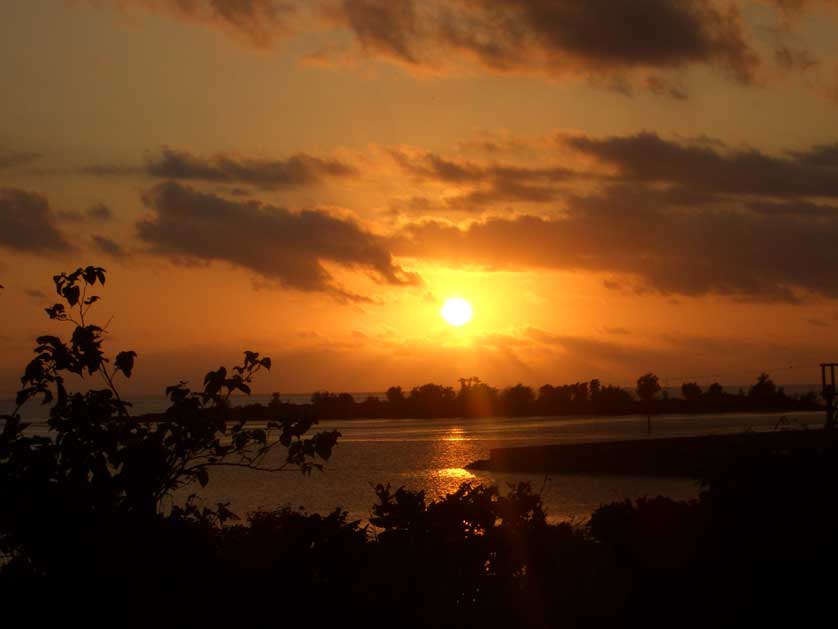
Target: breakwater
{"points": [[673, 456]]}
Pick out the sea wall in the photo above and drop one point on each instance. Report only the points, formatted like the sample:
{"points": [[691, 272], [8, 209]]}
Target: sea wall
{"points": [[677, 456]]}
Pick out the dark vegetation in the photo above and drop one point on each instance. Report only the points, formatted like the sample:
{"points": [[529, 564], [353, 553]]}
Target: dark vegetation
{"points": [[86, 539], [474, 398]]}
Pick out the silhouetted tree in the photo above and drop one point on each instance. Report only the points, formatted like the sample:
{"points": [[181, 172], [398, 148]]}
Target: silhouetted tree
{"points": [[595, 388], [648, 387], [517, 401], [764, 389], [395, 395], [715, 390], [691, 391], [477, 399], [432, 400]]}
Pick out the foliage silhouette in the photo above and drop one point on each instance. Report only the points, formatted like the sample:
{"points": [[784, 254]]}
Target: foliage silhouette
{"points": [[100, 466]]}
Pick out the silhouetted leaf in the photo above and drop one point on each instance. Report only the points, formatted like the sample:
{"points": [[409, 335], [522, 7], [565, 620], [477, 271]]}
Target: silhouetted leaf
{"points": [[72, 294], [56, 312], [125, 362]]}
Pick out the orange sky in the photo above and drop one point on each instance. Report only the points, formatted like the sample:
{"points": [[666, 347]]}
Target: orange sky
{"points": [[617, 186]]}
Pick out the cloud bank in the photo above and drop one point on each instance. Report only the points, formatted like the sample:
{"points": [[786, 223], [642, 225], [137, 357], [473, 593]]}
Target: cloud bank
{"points": [[281, 246], [28, 225]]}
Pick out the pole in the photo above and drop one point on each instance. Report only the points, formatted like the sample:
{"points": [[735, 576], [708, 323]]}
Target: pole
{"points": [[829, 393]]}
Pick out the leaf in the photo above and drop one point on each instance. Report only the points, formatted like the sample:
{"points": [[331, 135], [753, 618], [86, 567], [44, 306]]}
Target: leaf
{"points": [[56, 312], [89, 275], [125, 362], [203, 477], [72, 294]]}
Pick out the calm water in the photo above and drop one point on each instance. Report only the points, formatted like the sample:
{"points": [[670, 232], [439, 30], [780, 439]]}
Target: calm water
{"points": [[432, 454]]}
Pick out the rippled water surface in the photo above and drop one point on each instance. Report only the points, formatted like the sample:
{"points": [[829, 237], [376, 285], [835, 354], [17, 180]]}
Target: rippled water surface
{"points": [[432, 455]]}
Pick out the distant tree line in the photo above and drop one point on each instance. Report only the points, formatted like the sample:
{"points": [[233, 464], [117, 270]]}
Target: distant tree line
{"points": [[475, 398]]}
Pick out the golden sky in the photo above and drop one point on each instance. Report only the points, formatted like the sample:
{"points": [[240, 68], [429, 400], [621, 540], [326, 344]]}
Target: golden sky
{"points": [[617, 186]]}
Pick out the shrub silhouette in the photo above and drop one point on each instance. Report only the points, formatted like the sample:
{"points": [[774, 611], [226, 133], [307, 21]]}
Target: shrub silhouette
{"points": [[88, 496]]}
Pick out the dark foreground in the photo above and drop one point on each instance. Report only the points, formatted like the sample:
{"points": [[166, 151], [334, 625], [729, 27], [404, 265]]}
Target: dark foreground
{"points": [[758, 546], [89, 534]]}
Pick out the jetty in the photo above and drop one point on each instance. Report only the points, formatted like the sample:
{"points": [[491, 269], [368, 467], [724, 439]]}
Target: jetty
{"points": [[671, 456]]}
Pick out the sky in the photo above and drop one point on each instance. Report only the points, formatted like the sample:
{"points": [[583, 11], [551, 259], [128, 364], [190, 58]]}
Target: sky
{"points": [[616, 186]]}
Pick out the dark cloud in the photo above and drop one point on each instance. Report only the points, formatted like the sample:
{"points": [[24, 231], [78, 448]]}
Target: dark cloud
{"points": [[34, 293], [730, 252], [99, 212], [558, 36], [801, 209], [96, 212], [277, 244], [298, 170], [108, 246], [486, 183], [27, 224], [794, 58], [69, 216], [710, 169], [258, 23], [822, 155], [596, 38], [618, 330], [110, 170], [818, 323], [13, 159], [666, 87], [295, 171]]}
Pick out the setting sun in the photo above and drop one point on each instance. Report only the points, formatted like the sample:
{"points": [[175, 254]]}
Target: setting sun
{"points": [[456, 311]]}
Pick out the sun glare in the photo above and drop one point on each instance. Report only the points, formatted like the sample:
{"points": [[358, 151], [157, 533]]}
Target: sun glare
{"points": [[456, 311]]}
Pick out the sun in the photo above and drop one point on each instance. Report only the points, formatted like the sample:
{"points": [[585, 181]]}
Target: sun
{"points": [[456, 311]]}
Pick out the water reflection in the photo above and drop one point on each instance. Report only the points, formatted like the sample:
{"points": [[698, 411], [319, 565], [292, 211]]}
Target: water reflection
{"points": [[430, 455], [456, 433], [455, 473], [450, 452]]}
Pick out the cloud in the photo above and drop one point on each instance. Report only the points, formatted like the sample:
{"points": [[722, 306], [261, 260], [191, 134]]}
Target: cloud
{"points": [[99, 212], [28, 225], [708, 168], [108, 246], [618, 330], [257, 23], [281, 246], [296, 171], [558, 37], [799, 209], [485, 184], [614, 42], [13, 159], [746, 255]]}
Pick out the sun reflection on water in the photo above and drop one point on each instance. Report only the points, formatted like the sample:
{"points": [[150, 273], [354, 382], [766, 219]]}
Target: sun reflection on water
{"points": [[455, 434], [455, 473]]}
